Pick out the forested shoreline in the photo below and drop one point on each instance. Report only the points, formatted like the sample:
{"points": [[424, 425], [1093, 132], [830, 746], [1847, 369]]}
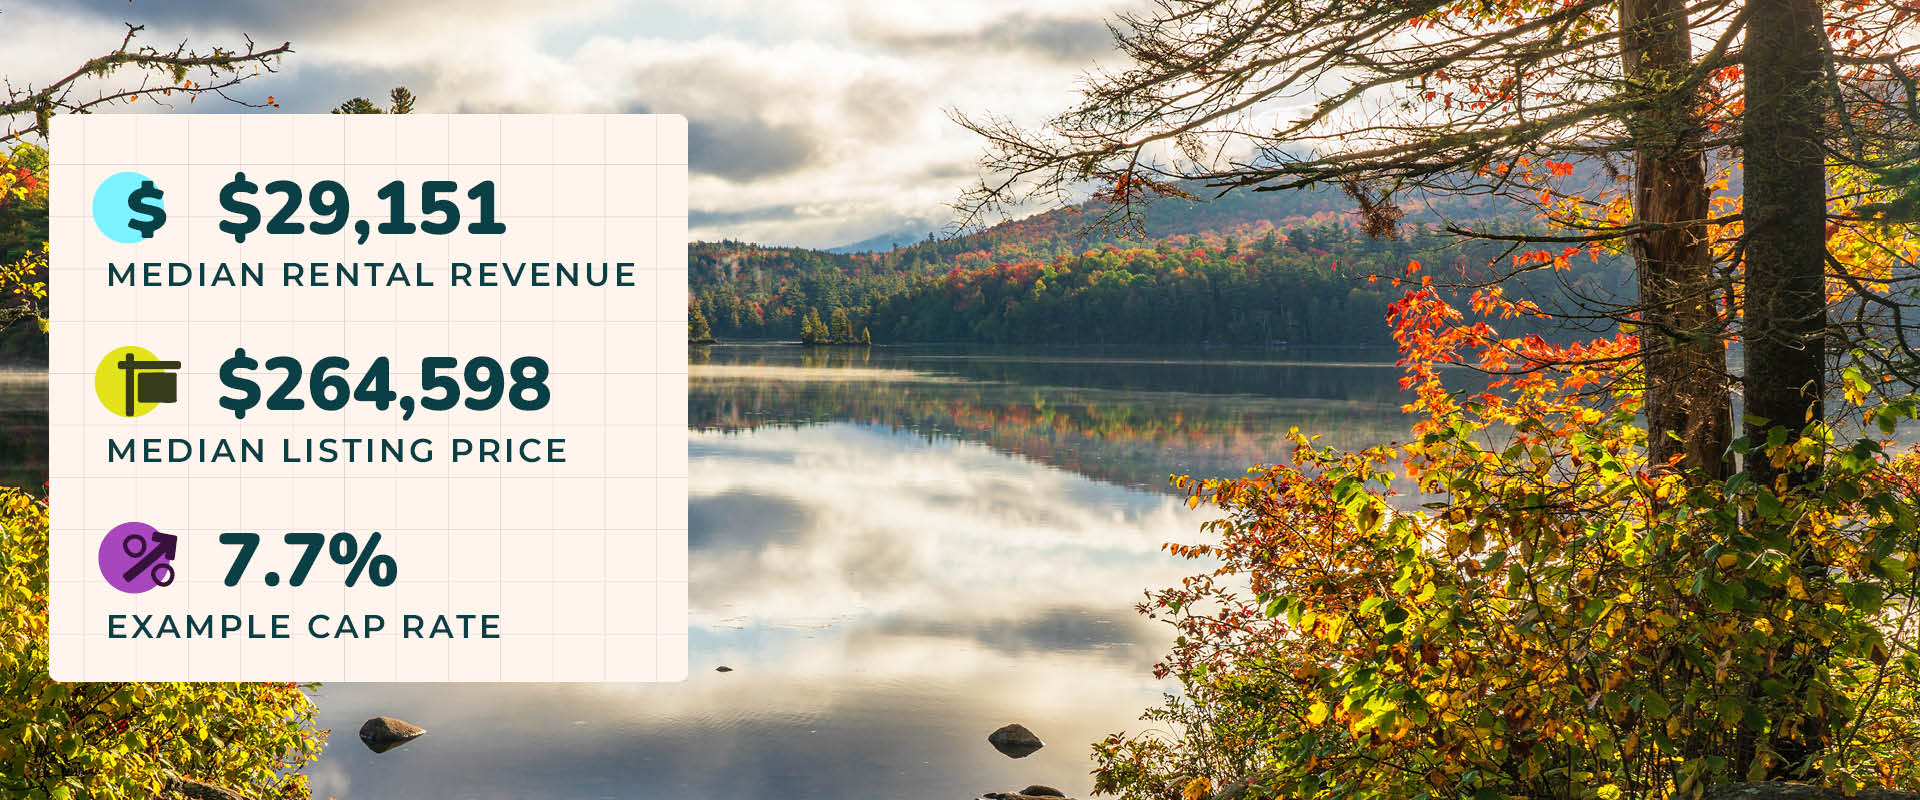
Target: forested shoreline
{"points": [[1304, 274]]}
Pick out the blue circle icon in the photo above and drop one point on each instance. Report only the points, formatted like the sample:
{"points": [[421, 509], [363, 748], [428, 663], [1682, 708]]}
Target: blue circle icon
{"points": [[127, 207]]}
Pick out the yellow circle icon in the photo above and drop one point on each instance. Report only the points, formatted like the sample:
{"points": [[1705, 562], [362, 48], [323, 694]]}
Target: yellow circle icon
{"points": [[132, 381]]}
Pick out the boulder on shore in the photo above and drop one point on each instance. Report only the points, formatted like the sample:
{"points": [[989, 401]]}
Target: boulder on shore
{"points": [[1042, 790], [1019, 796], [381, 734], [1015, 741]]}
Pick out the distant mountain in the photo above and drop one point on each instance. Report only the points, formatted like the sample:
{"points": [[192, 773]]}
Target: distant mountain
{"points": [[884, 242]]}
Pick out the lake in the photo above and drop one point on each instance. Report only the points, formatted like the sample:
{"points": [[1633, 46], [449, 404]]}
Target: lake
{"points": [[896, 550]]}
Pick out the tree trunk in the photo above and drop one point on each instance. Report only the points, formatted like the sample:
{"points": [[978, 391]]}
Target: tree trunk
{"points": [[1785, 298], [1786, 218], [1688, 403]]}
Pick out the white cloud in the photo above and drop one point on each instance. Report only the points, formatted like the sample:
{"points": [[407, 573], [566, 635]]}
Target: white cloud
{"points": [[820, 121]]}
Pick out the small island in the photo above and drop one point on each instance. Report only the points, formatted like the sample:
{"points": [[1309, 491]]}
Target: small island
{"points": [[814, 333], [698, 331]]}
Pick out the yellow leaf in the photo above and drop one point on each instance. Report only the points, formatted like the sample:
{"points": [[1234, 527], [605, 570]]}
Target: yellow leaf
{"points": [[1317, 715]]}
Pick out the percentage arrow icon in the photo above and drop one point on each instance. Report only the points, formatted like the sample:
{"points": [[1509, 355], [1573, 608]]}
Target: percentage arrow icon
{"points": [[165, 545]]}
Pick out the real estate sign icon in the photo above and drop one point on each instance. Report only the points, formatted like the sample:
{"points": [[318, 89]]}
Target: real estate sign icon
{"points": [[132, 381]]}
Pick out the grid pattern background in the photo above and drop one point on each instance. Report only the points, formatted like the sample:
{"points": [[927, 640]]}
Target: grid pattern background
{"points": [[585, 562]]}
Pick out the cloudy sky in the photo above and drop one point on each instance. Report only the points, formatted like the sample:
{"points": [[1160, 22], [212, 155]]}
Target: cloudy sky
{"points": [[812, 122]]}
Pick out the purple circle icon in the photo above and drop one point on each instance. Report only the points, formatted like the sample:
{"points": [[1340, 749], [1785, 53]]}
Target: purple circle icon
{"points": [[136, 557]]}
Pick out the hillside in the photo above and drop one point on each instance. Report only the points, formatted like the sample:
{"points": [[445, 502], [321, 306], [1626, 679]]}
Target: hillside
{"points": [[1246, 268]]}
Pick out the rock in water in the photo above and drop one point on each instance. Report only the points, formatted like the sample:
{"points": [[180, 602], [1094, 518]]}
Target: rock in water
{"points": [[1015, 741], [195, 790], [1039, 790], [723, 669], [381, 734]]}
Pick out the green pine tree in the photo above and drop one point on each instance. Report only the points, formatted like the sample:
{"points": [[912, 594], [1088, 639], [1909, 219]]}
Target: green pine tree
{"points": [[842, 330], [698, 332], [400, 102], [812, 330], [401, 99]]}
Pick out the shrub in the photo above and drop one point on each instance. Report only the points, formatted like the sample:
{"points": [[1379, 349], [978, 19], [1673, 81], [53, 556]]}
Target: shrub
{"points": [[125, 740], [1517, 604]]}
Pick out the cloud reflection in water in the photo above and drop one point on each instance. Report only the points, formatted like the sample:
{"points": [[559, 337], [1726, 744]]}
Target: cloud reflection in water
{"points": [[886, 599]]}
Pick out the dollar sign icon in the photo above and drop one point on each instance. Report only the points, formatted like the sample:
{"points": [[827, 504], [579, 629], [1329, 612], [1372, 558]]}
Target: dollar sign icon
{"points": [[146, 200], [249, 391], [230, 200], [127, 207]]}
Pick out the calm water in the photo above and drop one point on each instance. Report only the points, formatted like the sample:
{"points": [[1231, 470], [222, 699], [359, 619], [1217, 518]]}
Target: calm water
{"points": [[897, 551]]}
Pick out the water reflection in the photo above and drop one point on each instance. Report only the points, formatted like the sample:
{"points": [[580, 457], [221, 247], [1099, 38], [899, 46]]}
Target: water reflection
{"points": [[1129, 421], [884, 600], [23, 428], [897, 553]]}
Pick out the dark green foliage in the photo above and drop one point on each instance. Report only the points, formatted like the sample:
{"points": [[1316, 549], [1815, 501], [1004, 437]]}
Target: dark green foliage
{"points": [[698, 331], [400, 101], [841, 328], [23, 213], [1240, 269], [23, 238], [1904, 208], [1311, 285], [812, 330]]}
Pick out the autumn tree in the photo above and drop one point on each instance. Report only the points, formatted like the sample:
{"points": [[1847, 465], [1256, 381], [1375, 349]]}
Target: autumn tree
{"points": [[1550, 616], [1501, 98], [23, 253], [115, 741], [1545, 105]]}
